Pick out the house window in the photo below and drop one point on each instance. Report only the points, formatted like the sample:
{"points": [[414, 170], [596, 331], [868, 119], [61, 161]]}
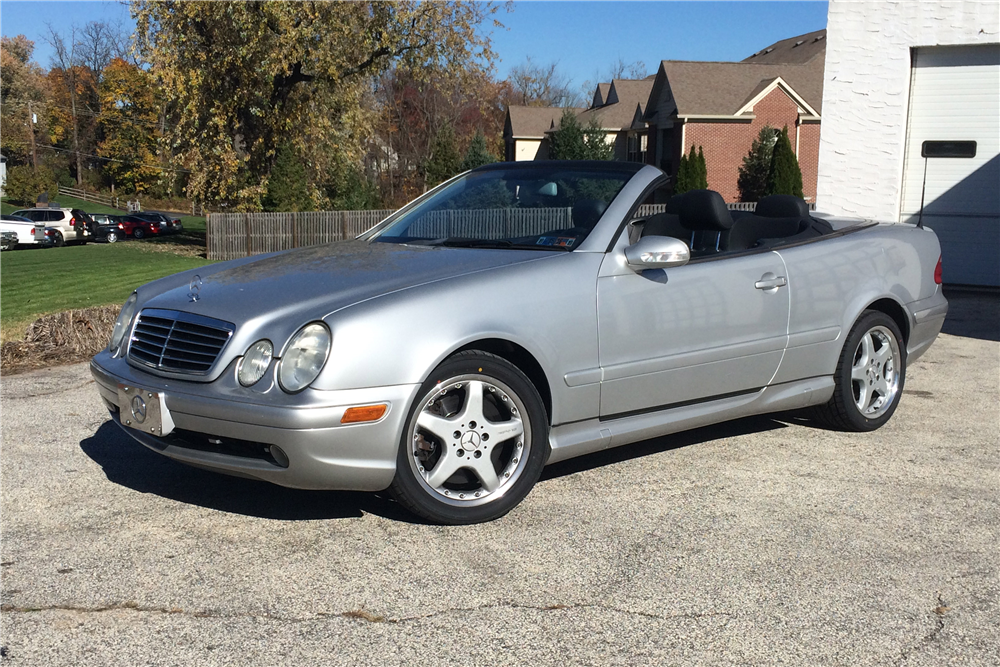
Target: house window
{"points": [[636, 147]]}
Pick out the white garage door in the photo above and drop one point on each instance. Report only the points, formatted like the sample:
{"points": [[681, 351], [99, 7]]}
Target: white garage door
{"points": [[955, 97]]}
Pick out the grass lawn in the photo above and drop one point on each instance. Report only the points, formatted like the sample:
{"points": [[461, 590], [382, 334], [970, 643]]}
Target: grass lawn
{"points": [[38, 281]]}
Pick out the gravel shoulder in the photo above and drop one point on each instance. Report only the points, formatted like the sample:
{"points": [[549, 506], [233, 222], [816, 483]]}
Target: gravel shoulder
{"points": [[763, 541]]}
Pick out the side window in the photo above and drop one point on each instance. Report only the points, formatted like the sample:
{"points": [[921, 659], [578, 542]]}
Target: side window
{"points": [[53, 216]]}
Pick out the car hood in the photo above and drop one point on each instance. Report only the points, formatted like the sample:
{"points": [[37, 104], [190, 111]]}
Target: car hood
{"points": [[316, 281]]}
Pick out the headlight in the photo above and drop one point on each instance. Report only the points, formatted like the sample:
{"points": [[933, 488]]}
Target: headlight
{"points": [[304, 357], [254, 363], [121, 324]]}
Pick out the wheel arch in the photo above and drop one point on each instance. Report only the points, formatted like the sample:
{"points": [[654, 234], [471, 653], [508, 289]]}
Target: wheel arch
{"points": [[521, 358], [895, 310]]}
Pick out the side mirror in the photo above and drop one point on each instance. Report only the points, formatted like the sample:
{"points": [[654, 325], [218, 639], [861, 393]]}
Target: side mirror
{"points": [[657, 252]]}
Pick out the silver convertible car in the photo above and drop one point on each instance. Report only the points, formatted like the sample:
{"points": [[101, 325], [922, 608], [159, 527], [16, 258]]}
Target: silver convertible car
{"points": [[517, 315]]}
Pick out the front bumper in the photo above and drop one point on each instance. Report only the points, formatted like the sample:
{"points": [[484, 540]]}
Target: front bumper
{"points": [[322, 453]]}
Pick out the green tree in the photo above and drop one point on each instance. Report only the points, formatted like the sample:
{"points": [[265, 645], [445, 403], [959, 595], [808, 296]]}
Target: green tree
{"points": [[129, 113], [478, 154], [784, 176], [753, 173], [24, 185], [702, 175], [287, 189], [567, 142], [22, 81], [688, 173], [444, 161], [595, 143], [245, 77]]}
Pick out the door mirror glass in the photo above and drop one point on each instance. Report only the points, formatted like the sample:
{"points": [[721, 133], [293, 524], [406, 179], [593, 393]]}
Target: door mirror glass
{"points": [[657, 252]]}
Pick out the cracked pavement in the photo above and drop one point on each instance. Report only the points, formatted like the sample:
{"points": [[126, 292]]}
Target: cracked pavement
{"points": [[766, 541]]}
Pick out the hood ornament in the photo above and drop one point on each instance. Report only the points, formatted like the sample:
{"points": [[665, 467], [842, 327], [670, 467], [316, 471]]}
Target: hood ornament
{"points": [[195, 289]]}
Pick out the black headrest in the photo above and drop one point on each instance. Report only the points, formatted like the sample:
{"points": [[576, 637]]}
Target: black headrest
{"points": [[705, 210], [674, 205], [782, 206], [586, 212], [665, 224]]}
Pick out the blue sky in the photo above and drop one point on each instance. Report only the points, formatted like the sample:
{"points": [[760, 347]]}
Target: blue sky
{"points": [[583, 37]]}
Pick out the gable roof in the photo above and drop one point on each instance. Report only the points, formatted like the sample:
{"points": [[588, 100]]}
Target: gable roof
{"points": [[534, 122], [723, 88], [624, 95], [601, 95], [792, 51]]}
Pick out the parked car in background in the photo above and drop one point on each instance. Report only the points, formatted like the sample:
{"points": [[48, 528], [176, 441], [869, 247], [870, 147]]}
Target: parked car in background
{"points": [[8, 240], [25, 230], [138, 226], [520, 314], [70, 223], [168, 225], [108, 228]]}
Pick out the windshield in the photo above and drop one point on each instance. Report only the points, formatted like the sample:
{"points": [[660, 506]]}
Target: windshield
{"points": [[540, 207]]}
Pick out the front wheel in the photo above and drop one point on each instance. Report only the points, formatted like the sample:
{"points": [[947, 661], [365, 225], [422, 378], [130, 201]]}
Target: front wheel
{"points": [[869, 377], [475, 441]]}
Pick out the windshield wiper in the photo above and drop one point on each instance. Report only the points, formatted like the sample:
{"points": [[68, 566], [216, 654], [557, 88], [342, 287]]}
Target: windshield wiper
{"points": [[495, 243]]}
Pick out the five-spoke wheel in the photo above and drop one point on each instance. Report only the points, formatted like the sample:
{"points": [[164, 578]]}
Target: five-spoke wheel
{"points": [[869, 377], [475, 441]]}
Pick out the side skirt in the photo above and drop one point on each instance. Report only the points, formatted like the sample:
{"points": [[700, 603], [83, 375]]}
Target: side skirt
{"points": [[592, 435]]}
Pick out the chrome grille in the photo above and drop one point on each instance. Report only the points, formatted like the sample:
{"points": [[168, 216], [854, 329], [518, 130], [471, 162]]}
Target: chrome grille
{"points": [[178, 342]]}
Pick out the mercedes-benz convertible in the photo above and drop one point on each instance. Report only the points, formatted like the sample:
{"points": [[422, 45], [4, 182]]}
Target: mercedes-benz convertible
{"points": [[517, 315]]}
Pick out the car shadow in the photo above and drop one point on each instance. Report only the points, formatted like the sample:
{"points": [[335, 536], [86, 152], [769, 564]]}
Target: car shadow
{"points": [[130, 464], [973, 313], [746, 426]]}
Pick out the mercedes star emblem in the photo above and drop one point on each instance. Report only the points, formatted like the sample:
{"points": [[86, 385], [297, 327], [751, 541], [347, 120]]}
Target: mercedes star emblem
{"points": [[195, 288], [139, 409]]}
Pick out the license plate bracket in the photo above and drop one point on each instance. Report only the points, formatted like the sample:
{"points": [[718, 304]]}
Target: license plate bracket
{"points": [[144, 410]]}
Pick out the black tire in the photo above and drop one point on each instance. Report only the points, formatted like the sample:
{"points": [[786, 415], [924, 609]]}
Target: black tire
{"points": [[112, 237], [884, 380], [509, 401], [139, 233], [60, 241]]}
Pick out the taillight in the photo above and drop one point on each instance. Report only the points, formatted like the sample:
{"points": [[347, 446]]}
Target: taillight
{"points": [[937, 272], [72, 222], [121, 226]]}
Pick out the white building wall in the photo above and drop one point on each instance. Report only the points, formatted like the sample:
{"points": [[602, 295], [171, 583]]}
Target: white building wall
{"points": [[526, 149], [866, 93]]}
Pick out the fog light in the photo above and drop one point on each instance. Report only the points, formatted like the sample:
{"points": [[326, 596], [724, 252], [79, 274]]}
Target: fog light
{"points": [[279, 456], [254, 363], [366, 413]]}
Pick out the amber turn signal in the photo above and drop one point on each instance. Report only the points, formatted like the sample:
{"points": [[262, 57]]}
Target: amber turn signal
{"points": [[365, 413]]}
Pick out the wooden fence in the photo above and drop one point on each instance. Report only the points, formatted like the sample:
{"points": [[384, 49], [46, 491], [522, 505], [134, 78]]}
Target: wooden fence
{"points": [[234, 235]]}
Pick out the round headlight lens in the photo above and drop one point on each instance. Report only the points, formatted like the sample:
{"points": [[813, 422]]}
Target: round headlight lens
{"points": [[121, 324], [254, 363], [304, 358]]}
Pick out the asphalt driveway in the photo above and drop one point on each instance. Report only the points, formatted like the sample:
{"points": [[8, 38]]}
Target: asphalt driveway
{"points": [[763, 541]]}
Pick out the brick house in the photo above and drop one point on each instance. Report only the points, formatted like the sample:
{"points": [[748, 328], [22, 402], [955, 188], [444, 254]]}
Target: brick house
{"points": [[617, 107], [722, 106], [525, 129]]}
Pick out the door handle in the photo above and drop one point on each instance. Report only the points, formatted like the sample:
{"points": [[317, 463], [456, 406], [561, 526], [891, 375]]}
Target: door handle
{"points": [[770, 282]]}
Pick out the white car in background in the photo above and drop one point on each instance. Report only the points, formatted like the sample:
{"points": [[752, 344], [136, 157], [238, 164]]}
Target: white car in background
{"points": [[28, 231], [70, 224]]}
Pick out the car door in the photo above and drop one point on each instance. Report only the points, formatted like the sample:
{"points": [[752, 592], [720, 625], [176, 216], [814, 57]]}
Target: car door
{"points": [[714, 328]]}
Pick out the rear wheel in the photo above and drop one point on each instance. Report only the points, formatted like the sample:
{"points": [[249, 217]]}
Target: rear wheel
{"points": [[475, 442], [60, 241], [869, 377], [139, 233], [112, 237]]}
